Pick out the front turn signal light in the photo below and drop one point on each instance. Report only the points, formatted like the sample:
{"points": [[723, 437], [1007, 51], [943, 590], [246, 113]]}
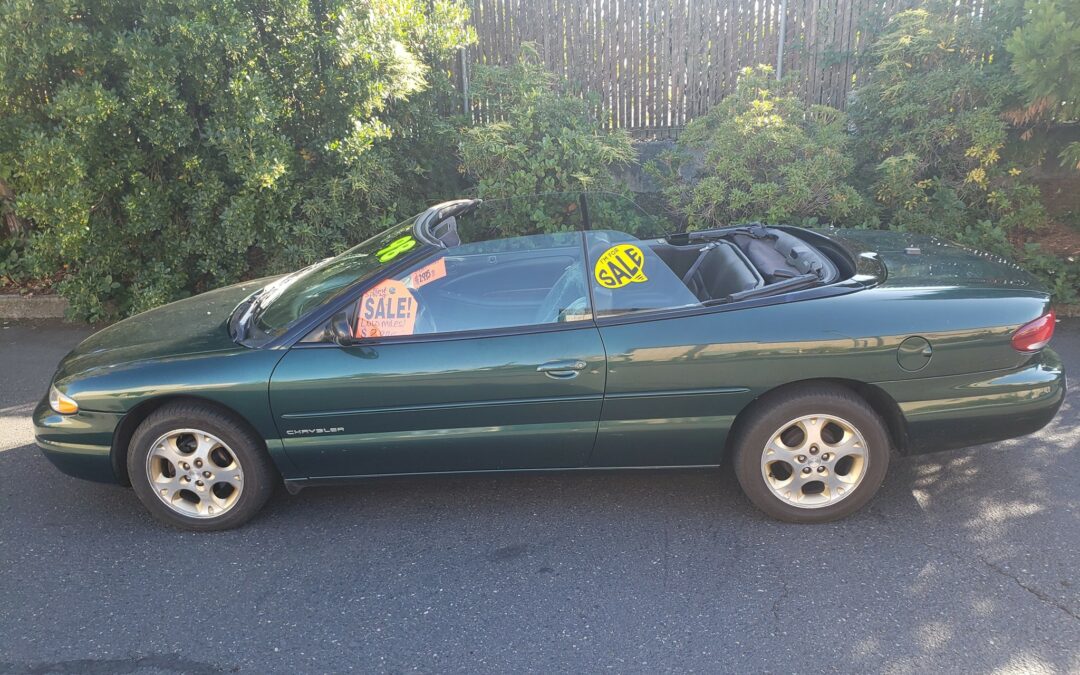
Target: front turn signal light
{"points": [[65, 405], [1033, 336]]}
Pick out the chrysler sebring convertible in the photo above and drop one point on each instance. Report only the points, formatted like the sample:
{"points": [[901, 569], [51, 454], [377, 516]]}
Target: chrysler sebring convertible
{"points": [[563, 332]]}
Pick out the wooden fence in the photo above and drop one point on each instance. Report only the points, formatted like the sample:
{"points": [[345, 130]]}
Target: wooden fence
{"points": [[656, 64]]}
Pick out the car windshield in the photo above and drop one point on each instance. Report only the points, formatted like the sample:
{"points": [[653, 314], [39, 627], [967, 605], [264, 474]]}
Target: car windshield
{"points": [[284, 301]]}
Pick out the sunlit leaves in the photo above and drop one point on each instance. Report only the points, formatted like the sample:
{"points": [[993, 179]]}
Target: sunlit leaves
{"points": [[160, 147], [762, 154], [541, 140]]}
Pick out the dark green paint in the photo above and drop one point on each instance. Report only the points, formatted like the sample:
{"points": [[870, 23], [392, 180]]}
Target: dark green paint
{"points": [[655, 391], [446, 405]]}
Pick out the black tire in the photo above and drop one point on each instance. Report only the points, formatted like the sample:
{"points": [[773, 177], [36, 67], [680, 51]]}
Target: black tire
{"points": [[771, 414], [259, 476]]}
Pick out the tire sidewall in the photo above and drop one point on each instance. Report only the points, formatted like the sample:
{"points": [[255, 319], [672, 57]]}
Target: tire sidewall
{"points": [[754, 437], [248, 454]]}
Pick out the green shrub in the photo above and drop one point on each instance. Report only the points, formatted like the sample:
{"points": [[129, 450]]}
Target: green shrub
{"points": [[762, 154], [1045, 52], [1061, 274], [13, 266], [161, 147], [930, 129], [539, 141]]}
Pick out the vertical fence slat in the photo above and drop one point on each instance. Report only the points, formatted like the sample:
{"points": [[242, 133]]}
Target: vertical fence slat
{"points": [[654, 65]]}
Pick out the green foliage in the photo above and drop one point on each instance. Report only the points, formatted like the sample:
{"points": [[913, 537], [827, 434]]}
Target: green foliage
{"points": [[1045, 54], [930, 116], [1061, 275], [13, 266], [162, 147], [932, 131], [764, 155], [539, 141]]}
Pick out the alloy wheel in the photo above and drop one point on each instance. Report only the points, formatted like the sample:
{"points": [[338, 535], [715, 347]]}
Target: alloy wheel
{"points": [[194, 473], [814, 461]]}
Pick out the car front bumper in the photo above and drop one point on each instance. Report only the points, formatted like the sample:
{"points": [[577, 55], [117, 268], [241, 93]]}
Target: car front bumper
{"points": [[943, 413], [80, 445]]}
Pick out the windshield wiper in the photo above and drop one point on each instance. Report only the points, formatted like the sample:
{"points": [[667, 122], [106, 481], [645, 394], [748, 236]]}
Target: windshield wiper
{"points": [[253, 305], [240, 319], [249, 316], [262, 298]]}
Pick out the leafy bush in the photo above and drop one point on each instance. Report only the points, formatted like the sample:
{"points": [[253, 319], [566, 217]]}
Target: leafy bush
{"points": [[763, 155], [539, 141], [161, 147], [1045, 54], [930, 129], [933, 132], [1061, 275], [13, 268]]}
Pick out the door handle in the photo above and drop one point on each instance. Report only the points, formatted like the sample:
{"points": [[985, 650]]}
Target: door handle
{"points": [[562, 370]]}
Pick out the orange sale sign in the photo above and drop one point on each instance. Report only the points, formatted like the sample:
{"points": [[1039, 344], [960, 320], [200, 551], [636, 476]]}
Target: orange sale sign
{"points": [[429, 273], [387, 309]]}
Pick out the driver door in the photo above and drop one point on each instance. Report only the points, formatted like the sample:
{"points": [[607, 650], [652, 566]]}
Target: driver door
{"points": [[481, 357]]}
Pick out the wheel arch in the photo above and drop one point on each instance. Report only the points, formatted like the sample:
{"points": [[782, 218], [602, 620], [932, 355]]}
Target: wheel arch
{"points": [[876, 397], [131, 420]]}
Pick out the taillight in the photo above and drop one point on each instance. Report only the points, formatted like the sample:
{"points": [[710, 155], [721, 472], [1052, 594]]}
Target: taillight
{"points": [[1033, 336]]}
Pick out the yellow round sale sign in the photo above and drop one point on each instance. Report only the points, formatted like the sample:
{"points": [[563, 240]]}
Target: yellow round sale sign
{"points": [[620, 265]]}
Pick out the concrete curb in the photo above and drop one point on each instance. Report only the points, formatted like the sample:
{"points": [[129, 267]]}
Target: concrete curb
{"points": [[32, 307]]}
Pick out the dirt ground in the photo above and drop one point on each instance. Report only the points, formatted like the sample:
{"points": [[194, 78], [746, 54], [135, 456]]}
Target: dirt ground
{"points": [[1061, 196]]}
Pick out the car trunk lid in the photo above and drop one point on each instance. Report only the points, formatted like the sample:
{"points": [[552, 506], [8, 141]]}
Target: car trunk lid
{"points": [[913, 260]]}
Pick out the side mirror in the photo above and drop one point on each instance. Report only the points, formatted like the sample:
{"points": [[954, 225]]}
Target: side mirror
{"points": [[339, 330]]}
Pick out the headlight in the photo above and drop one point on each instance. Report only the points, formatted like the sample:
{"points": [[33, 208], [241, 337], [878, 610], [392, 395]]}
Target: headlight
{"points": [[62, 404]]}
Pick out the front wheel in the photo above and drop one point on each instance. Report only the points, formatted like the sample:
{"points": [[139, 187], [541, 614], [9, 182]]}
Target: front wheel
{"points": [[812, 454], [195, 467]]}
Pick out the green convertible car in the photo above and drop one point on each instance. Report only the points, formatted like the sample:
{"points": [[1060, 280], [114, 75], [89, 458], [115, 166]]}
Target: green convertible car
{"points": [[563, 332]]}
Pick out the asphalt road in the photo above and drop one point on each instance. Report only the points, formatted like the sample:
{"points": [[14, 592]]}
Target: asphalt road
{"points": [[966, 561]]}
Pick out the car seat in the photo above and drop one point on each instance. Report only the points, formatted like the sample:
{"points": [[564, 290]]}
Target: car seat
{"points": [[720, 271]]}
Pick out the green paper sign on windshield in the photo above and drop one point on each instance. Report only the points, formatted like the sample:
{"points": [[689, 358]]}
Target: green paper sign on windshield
{"points": [[395, 248]]}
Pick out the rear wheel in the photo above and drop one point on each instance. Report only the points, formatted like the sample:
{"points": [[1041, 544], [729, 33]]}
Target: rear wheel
{"points": [[193, 466], [811, 454]]}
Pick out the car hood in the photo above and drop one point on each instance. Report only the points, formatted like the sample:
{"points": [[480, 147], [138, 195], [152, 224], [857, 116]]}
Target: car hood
{"points": [[191, 326], [913, 260]]}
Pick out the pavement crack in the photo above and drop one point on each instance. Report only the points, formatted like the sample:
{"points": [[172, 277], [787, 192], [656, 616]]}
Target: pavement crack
{"points": [[785, 593], [1001, 571], [1053, 602]]}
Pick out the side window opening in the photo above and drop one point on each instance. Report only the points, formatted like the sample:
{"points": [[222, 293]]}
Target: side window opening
{"points": [[627, 275], [501, 283], [565, 257], [715, 266], [700, 268]]}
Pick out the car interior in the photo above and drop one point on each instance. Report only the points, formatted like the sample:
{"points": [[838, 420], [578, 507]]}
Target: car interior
{"points": [[543, 281]]}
